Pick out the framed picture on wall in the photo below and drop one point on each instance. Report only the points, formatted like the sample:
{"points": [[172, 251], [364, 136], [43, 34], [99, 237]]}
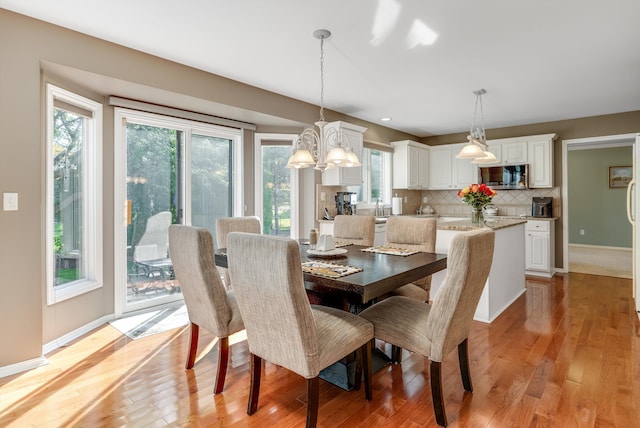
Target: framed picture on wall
{"points": [[620, 176]]}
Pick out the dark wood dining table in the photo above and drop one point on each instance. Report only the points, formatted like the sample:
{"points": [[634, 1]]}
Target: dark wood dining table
{"points": [[381, 273]]}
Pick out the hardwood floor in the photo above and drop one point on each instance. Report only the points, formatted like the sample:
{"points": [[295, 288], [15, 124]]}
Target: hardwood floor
{"points": [[565, 354]]}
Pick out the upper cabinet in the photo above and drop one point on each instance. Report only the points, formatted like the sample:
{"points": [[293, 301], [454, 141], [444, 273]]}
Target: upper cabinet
{"points": [[541, 161], [441, 167], [513, 153], [410, 165], [534, 150], [463, 172], [448, 172], [345, 176], [418, 166]]}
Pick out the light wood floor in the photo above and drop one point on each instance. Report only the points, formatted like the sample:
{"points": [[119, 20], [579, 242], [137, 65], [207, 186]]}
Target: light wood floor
{"points": [[565, 354]]}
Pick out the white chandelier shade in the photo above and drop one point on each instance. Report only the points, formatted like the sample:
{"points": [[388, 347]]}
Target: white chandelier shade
{"points": [[477, 149], [324, 149]]}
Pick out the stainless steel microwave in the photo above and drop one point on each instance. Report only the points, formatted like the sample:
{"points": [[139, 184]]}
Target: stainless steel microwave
{"points": [[512, 177]]}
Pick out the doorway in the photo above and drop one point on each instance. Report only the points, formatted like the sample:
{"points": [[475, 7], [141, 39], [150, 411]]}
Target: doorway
{"points": [[588, 248]]}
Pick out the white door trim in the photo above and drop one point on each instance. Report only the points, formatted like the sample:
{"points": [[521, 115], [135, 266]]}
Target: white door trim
{"points": [[582, 144]]}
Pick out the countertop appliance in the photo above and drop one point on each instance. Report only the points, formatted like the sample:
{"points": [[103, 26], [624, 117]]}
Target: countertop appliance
{"points": [[490, 210], [505, 177], [542, 207], [345, 202]]}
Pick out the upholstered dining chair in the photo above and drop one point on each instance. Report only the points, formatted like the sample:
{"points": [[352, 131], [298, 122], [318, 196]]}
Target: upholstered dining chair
{"points": [[282, 326], [354, 229], [226, 225], [433, 330], [414, 234], [209, 305]]}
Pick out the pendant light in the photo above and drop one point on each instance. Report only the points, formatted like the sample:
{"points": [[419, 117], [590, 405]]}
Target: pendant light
{"points": [[477, 149], [324, 148]]}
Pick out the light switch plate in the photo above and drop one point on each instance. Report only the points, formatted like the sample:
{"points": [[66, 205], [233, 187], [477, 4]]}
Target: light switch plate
{"points": [[10, 201]]}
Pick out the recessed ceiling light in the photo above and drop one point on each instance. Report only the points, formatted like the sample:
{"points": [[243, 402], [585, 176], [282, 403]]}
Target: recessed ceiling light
{"points": [[385, 119]]}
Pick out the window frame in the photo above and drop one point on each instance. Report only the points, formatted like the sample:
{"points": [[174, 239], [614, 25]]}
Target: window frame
{"points": [[387, 159], [91, 197]]}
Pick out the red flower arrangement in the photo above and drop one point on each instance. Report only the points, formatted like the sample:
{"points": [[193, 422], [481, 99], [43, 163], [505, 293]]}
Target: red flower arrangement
{"points": [[477, 195]]}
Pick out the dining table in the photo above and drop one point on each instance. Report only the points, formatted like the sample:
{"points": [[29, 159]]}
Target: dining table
{"points": [[378, 275]]}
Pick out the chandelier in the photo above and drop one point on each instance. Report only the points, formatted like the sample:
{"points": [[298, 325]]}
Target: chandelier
{"points": [[477, 148], [324, 148]]}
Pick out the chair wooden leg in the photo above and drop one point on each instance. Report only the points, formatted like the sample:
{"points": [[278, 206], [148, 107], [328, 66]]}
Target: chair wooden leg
{"points": [[436, 392], [366, 364], [313, 393], [396, 354], [223, 362], [357, 381], [463, 358], [193, 346], [254, 389]]}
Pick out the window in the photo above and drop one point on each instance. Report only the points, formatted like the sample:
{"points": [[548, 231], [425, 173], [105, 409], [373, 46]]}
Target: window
{"points": [[74, 195], [376, 177], [276, 186]]}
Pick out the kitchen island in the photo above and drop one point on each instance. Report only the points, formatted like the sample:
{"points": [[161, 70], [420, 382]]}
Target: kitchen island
{"points": [[506, 280]]}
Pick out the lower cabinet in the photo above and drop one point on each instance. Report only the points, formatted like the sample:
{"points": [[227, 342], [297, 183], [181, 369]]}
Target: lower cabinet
{"points": [[326, 228], [381, 234], [540, 248]]}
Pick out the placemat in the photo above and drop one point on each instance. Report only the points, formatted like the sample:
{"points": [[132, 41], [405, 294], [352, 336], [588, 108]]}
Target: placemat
{"points": [[390, 250], [329, 270], [339, 244]]}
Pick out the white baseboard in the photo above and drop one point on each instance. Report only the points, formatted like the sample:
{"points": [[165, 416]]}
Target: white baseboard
{"points": [[51, 346], [22, 366], [73, 335], [600, 247]]}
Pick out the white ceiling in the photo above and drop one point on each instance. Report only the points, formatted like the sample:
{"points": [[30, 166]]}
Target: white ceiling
{"points": [[539, 61]]}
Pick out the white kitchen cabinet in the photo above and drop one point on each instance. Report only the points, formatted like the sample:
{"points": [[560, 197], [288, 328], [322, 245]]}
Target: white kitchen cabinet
{"points": [[534, 150], [448, 172], [463, 171], [440, 168], [381, 234], [541, 162], [513, 153], [345, 176], [540, 248], [326, 228], [410, 165], [496, 149]]}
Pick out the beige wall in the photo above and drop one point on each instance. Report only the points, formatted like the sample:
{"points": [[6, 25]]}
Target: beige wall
{"points": [[32, 53]]}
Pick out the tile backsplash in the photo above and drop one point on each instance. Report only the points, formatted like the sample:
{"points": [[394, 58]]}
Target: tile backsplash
{"points": [[446, 202], [509, 202]]}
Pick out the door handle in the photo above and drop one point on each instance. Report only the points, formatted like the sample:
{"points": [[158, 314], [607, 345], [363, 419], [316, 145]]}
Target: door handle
{"points": [[631, 201]]}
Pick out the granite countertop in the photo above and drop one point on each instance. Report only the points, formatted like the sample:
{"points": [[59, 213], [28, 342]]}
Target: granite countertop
{"points": [[495, 223], [464, 223]]}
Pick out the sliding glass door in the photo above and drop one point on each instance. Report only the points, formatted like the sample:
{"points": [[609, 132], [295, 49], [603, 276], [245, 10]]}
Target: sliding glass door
{"points": [[174, 171]]}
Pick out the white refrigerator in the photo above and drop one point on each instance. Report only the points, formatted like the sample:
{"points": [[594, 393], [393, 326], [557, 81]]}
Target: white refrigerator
{"points": [[633, 212]]}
